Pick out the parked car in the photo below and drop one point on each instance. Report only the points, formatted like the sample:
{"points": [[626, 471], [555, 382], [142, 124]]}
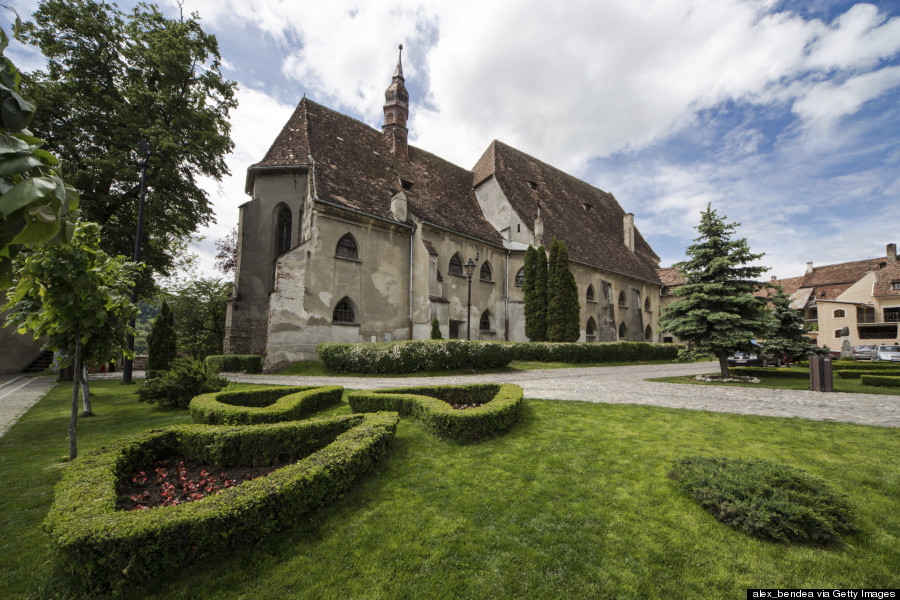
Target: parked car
{"points": [[888, 352], [864, 352], [756, 358]]}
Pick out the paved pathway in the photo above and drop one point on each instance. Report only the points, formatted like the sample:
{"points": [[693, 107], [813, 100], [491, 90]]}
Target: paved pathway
{"points": [[626, 385], [18, 394]]}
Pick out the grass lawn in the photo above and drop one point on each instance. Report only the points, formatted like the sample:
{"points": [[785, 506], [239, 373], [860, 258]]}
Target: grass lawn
{"points": [[572, 502]]}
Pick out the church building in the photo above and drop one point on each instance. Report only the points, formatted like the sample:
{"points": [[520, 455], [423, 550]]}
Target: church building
{"points": [[353, 235]]}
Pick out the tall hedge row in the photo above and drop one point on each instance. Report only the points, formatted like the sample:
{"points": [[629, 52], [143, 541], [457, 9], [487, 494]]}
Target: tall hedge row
{"points": [[586, 353], [412, 356], [110, 550]]}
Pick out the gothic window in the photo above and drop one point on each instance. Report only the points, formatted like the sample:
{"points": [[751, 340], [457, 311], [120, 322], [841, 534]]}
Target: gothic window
{"points": [[455, 267], [839, 313], [622, 301], [343, 312], [486, 271], [647, 304], [590, 293], [648, 333], [485, 323], [623, 331], [346, 247], [283, 231], [520, 277], [591, 329]]}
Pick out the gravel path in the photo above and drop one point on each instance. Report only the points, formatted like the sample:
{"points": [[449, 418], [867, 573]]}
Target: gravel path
{"points": [[626, 385]]}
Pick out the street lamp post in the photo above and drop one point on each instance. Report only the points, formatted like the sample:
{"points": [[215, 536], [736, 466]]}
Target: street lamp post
{"points": [[470, 270], [143, 148]]}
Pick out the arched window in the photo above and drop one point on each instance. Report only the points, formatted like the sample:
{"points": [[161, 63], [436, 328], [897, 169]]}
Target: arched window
{"points": [[486, 271], [485, 323], [455, 267], [282, 231], [346, 247], [623, 331], [622, 302], [343, 312], [591, 328], [647, 304], [839, 313], [590, 293], [520, 277], [648, 333]]}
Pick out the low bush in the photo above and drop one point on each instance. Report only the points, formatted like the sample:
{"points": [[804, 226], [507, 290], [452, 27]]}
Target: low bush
{"points": [[269, 405], [431, 405], [770, 372], [766, 499], [858, 373], [416, 355], [880, 381], [232, 363], [867, 366], [590, 353], [176, 387], [104, 549]]}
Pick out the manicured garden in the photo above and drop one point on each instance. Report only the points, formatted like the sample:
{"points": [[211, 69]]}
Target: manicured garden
{"points": [[573, 500]]}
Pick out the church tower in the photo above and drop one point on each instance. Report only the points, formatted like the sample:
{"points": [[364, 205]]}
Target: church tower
{"points": [[396, 111]]}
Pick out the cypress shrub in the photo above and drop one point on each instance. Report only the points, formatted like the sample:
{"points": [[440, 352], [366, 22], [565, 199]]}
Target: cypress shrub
{"points": [[436, 329], [563, 308], [161, 342], [535, 290]]}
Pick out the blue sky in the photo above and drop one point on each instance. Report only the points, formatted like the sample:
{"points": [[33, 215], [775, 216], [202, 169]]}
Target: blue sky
{"points": [[783, 114]]}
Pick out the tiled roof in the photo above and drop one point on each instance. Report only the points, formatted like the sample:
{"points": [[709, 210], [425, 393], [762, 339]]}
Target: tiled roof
{"points": [[841, 273], [588, 219], [670, 277], [355, 168], [885, 278]]}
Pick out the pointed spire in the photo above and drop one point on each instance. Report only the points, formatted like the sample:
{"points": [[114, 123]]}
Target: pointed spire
{"points": [[396, 111], [398, 72]]}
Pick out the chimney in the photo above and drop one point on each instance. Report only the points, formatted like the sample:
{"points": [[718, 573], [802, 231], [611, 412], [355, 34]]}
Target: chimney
{"points": [[628, 225], [773, 278], [892, 254], [538, 228], [809, 268], [398, 206]]}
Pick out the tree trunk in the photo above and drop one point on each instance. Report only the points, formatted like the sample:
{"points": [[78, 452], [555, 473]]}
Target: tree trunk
{"points": [[723, 366], [73, 419], [85, 393]]}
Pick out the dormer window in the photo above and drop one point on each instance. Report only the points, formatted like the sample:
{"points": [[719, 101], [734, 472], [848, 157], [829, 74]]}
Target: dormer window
{"points": [[895, 285], [587, 207], [532, 184], [407, 185]]}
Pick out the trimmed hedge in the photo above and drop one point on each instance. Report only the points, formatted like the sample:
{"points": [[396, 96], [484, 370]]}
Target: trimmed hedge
{"points": [[858, 373], [773, 372], [431, 405], [106, 549], [269, 405], [880, 381], [588, 353], [866, 366], [766, 499], [412, 356], [232, 363]]}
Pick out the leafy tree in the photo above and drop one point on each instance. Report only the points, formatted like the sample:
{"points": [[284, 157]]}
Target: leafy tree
{"points": [[79, 298], [35, 205], [113, 79], [162, 341], [787, 331], [535, 291], [717, 311], [226, 259], [563, 309], [199, 307], [436, 329]]}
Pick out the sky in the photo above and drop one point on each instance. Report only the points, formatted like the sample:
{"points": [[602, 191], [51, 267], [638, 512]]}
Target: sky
{"points": [[784, 115]]}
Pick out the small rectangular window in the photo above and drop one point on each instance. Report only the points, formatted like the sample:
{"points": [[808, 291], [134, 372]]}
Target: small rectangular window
{"points": [[896, 286]]}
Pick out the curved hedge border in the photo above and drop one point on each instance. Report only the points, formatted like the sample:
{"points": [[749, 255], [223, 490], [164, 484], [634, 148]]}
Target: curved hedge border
{"points": [[270, 405], [880, 381], [108, 549], [431, 406], [412, 356], [231, 363], [586, 353], [773, 372]]}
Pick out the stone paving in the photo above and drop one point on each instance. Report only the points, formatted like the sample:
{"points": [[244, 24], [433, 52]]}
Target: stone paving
{"points": [[18, 394], [626, 385]]}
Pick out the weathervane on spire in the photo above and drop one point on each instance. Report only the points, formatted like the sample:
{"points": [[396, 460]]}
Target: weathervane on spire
{"points": [[398, 72]]}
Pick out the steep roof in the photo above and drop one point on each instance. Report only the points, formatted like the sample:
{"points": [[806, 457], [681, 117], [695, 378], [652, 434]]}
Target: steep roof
{"points": [[885, 278], [588, 219], [670, 277], [354, 168], [830, 281]]}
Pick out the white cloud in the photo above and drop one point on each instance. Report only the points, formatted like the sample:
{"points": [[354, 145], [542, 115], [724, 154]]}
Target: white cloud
{"points": [[827, 102]]}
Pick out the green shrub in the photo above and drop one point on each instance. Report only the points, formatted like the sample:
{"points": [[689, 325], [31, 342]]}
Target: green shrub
{"points": [[766, 499], [589, 353], [858, 373], [411, 356], [107, 549], [880, 381], [269, 405], [867, 366], [436, 329], [162, 342], [770, 372], [176, 387], [431, 405], [232, 363]]}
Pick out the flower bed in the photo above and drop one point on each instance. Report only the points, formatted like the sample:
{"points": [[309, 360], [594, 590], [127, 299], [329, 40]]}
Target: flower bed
{"points": [[269, 405], [498, 408], [108, 549]]}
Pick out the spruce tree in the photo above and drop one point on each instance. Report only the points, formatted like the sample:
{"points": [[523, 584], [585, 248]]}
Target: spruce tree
{"points": [[717, 311], [161, 342], [787, 331], [563, 309]]}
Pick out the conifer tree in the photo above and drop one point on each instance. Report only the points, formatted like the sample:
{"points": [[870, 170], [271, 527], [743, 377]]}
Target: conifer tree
{"points": [[535, 301], [161, 342], [717, 311], [563, 310], [436, 329], [787, 331]]}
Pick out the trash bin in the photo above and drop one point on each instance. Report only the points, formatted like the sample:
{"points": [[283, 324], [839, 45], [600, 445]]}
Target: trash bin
{"points": [[820, 374]]}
